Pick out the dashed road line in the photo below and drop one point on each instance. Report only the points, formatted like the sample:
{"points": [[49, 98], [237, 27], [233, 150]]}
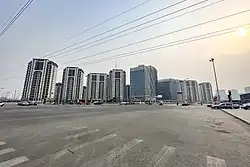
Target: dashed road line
{"points": [[215, 162], [81, 134], [163, 156], [6, 151], [104, 161], [14, 162], [63, 152]]}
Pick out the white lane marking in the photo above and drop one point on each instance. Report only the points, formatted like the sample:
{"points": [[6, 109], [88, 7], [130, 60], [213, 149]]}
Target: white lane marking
{"points": [[163, 156], [6, 151], [215, 162], [75, 148], [14, 162], [70, 126], [78, 127], [2, 143], [81, 134], [104, 161]]}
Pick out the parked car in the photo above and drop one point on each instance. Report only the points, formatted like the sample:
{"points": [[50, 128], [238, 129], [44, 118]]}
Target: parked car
{"points": [[209, 105], [246, 106], [185, 104], [226, 105], [161, 103], [98, 103], [32, 103], [1, 104], [236, 106], [23, 103], [124, 103]]}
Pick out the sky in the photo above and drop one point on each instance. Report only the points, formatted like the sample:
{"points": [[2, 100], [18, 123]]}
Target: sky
{"points": [[47, 26]]}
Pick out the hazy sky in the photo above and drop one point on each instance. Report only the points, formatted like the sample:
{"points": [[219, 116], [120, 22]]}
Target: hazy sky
{"points": [[47, 25]]}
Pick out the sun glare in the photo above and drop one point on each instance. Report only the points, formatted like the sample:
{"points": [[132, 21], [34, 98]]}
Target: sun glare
{"points": [[242, 32]]}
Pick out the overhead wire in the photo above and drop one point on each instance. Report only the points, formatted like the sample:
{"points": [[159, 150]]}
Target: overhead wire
{"points": [[163, 46], [170, 44], [162, 35], [119, 26], [109, 19], [169, 14], [25, 6], [137, 30]]}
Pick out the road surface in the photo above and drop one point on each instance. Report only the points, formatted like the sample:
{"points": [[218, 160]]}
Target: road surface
{"points": [[122, 136]]}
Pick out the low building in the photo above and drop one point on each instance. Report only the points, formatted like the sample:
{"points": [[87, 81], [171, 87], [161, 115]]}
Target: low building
{"points": [[245, 98]]}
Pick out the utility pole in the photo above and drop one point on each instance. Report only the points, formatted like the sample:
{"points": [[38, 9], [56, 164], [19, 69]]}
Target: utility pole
{"points": [[216, 80]]}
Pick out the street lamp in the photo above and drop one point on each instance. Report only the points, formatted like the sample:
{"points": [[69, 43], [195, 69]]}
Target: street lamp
{"points": [[216, 80]]}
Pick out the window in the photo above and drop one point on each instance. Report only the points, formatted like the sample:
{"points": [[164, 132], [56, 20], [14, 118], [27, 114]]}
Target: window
{"points": [[71, 72], [94, 77], [117, 75], [39, 65], [101, 78]]}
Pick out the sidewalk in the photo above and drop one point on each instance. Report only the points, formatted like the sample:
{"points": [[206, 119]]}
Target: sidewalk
{"points": [[243, 115]]}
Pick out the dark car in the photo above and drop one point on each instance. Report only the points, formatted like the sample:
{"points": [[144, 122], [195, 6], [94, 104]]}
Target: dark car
{"points": [[23, 103]]}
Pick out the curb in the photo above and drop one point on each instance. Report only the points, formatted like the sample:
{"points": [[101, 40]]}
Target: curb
{"points": [[246, 122]]}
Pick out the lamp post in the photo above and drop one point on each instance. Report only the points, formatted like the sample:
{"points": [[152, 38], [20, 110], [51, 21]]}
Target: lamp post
{"points": [[216, 80]]}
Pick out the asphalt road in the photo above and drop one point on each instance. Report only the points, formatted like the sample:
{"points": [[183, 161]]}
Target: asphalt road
{"points": [[121, 136]]}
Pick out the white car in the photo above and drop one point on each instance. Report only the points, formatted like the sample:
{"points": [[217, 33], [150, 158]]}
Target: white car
{"points": [[1, 104]]}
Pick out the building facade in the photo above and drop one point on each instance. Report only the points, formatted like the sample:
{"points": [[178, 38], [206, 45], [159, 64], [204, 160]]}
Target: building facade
{"points": [[206, 92], [116, 85], [235, 94], [223, 95], [84, 93], [97, 86], [247, 89], [72, 84], [143, 82], [58, 93], [245, 98], [127, 93], [190, 91], [170, 89], [40, 80]]}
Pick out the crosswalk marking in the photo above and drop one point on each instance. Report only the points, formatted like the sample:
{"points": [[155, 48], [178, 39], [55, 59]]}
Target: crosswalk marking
{"points": [[104, 161], [81, 134], [163, 156], [6, 151], [2, 143], [215, 162], [75, 148], [14, 161]]}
